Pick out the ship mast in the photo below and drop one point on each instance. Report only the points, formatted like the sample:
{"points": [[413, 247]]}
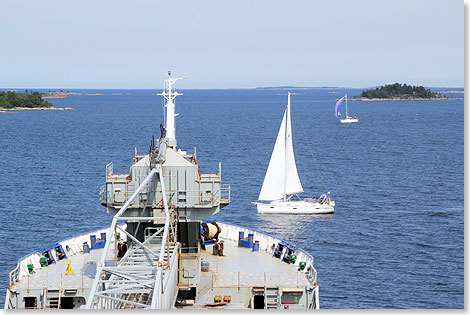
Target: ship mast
{"points": [[170, 94]]}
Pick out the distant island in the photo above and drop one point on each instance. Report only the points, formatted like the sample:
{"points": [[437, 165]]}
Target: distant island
{"points": [[54, 94], [62, 94], [288, 87], [398, 91], [452, 92], [12, 100]]}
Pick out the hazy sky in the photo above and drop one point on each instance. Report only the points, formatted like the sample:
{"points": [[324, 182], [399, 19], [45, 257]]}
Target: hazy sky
{"points": [[223, 44]]}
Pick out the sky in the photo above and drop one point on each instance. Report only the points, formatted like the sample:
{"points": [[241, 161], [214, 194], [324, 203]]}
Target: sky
{"points": [[231, 44]]}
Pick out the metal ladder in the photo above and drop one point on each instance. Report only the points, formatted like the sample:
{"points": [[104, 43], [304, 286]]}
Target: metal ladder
{"points": [[271, 298], [52, 298], [136, 281]]}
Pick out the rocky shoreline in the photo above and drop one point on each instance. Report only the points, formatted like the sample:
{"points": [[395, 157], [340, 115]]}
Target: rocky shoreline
{"points": [[452, 92], [59, 95], [10, 110], [365, 99]]}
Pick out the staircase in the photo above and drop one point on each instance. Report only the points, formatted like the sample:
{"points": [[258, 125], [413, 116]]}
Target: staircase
{"points": [[139, 276], [132, 281], [271, 298], [52, 299]]}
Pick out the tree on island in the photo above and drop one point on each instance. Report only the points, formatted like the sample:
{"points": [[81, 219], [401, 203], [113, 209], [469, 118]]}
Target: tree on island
{"points": [[398, 90], [11, 99]]}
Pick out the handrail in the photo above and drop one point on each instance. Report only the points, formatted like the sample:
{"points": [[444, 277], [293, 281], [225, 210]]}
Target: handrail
{"points": [[194, 195], [161, 278], [157, 290], [112, 230], [171, 262], [224, 190], [14, 275], [247, 279]]}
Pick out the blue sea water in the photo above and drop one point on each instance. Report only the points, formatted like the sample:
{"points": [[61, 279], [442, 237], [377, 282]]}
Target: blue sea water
{"points": [[396, 239]]}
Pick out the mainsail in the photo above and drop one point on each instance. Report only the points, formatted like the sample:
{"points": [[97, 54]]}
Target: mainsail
{"points": [[282, 177], [293, 184]]}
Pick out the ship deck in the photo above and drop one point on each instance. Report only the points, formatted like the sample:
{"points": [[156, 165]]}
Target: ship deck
{"points": [[54, 277], [241, 266], [239, 270], [236, 273]]}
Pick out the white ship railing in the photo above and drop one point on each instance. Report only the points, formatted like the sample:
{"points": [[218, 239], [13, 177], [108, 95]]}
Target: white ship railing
{"points": [[266, 242], [246, 279], [194, 197], [169, 285], [225, 192], [73, 244]]}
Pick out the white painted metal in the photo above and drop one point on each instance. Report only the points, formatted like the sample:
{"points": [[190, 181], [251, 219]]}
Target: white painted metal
{"points": [[170, 94], [95, 298], [158, 291]]}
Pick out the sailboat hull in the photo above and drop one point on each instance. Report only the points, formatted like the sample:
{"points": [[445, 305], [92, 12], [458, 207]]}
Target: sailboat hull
{"points": [[349, 120], [295, 207]]}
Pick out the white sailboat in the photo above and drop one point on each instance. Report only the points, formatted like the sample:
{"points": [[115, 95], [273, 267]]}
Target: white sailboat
{"points": [[282, 181], [348, 119]]}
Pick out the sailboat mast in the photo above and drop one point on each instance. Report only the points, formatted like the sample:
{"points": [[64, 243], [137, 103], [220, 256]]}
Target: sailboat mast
{"points": [[346, 105], [285, 143]]}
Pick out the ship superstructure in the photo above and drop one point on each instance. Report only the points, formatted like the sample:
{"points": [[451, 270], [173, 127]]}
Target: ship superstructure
{"points": [[159, 252]]}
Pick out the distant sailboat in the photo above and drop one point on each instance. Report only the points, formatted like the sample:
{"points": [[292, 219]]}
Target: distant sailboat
{"points": [[348, 119], [282, 180]]}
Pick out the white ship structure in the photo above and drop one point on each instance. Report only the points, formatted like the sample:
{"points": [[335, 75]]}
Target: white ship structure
{"points": [[160, 252]]}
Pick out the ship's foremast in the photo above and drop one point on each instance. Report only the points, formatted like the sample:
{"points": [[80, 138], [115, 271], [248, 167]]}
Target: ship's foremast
{"points": [[169, 94]]}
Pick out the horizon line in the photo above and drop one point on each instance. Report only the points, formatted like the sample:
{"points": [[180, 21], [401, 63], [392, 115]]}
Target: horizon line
{"points": [[232, 88]]}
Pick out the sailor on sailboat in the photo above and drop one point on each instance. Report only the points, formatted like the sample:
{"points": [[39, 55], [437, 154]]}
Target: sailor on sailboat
{"points": [[282, 181], [348, 119]]}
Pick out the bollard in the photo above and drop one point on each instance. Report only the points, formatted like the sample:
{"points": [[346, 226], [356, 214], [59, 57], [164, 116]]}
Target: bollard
{"points": [[86, 248], [241, 236], [250, 240]]}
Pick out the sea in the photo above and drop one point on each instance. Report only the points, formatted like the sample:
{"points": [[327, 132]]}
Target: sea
{"points": [[396, 239]]}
